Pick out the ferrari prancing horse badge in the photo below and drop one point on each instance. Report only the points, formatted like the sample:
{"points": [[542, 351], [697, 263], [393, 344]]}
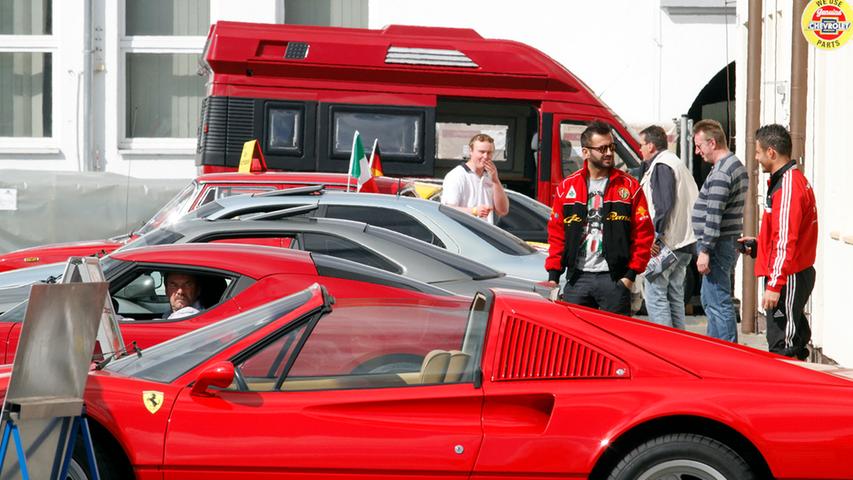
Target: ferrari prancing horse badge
{"points": [[152, 399]]}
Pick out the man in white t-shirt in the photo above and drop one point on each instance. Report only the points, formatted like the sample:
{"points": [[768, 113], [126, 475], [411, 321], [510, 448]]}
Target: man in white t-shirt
{"points": [[474, 186]]}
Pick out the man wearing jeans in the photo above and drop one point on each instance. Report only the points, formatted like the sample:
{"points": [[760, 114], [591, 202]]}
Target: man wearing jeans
{"points": [[717, 223], [671, 193]]}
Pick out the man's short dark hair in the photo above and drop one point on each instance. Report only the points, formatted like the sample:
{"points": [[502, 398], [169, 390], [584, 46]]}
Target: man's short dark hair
{"points": [[596, 127], [656, 135], [774, 136]]}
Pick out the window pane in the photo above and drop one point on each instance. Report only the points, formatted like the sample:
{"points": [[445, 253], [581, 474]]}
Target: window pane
{"points": [[341, 248], [494, 236], [25, 94], [452, 139], [374, 347], [384, 217], [398, 134], [164, 95], [167, 17], [572, 157], [284, 128], [25, 17]]}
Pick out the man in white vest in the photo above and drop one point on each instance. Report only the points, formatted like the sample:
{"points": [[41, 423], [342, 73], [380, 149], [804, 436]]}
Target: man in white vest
{"points": [[671, 193]]}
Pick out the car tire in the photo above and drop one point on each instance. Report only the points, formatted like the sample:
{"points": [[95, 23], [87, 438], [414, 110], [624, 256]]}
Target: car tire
{"points": [[682, 456], [76, 471], [79, 467]]}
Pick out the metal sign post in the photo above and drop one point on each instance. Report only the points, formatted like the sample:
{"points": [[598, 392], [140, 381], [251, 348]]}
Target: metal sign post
{"points": [[44, 402], [88, 269]]}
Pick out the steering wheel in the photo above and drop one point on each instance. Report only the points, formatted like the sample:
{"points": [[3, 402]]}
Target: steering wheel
{"points": [[241, 381]]}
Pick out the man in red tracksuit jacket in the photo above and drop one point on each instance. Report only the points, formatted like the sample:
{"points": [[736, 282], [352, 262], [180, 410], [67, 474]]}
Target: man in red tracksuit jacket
{"points": [[600, 231], [787, 242]]}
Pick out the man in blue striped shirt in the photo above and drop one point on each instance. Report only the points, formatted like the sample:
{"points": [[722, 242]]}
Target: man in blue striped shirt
{"points": [[717, 224]]}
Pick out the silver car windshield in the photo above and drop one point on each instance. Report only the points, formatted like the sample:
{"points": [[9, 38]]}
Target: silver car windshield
{"points": [[496, 237], [167, 361], [173, 210]]}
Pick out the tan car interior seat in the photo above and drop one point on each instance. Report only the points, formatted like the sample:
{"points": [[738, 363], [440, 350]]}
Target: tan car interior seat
{"points": [[434, 367]]}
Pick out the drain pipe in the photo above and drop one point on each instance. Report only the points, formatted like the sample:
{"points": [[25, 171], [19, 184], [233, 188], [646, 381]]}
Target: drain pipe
{"points": [[799, 84], [750, 210]]}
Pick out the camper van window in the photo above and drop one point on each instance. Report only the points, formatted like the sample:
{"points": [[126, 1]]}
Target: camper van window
{"points": [[570, 149], [400, 134], [284, 129], [452, 138]]}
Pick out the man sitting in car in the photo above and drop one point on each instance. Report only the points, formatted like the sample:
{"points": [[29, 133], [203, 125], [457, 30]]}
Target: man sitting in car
{"points": [[183, 291]]}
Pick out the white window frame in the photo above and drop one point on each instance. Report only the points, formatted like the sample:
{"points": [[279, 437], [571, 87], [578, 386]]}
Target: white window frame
{"points": [[35, 44], [149, 44]]}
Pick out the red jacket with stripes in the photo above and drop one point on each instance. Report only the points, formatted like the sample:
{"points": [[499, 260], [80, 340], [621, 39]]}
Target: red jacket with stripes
{"points": [[787, 241]]}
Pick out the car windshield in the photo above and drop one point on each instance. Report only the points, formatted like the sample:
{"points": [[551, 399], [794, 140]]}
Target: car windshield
{"points": [[167, 361], [27, 276], [494, 236], [17, 297], [538, 207], [160, 236], [205, 210], [177, 206]]}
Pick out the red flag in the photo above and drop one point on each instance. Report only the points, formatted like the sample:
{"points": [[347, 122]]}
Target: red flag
{"points": [[375, 162]]}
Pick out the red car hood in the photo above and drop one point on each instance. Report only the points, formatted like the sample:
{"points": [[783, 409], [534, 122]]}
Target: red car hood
{"points": [[710, 358], [56, 252]]}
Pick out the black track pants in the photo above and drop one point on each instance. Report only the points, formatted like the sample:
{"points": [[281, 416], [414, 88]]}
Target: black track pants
{"points": [[788, 331]]}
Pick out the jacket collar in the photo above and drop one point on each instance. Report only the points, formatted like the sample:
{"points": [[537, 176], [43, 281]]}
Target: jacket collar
{"points": [[614, 172]]}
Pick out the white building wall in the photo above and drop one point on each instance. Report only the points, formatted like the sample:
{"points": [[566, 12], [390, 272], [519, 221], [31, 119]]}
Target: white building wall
{"points": [[830, 170], [827, 164], [96, 141]]}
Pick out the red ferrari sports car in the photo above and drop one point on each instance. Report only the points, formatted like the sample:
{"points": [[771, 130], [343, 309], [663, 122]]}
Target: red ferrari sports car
{"points": [[200, 191], [232, 277], [514, 387]]}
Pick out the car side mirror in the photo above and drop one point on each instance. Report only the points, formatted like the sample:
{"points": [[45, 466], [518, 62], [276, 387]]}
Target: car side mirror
{"points": [[220, 374]]}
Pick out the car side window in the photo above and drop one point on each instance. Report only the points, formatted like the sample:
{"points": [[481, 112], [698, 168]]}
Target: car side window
{"points": [[342, 248], [366, 347], [386, 218], [141, 294], [524, 223]]}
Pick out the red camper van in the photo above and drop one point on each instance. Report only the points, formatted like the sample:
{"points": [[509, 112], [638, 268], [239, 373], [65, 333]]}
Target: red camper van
{"points": [[422, 91]]}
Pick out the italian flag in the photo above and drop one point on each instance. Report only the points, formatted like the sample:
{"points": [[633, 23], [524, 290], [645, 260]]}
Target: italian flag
{"points": [[359, 168]]}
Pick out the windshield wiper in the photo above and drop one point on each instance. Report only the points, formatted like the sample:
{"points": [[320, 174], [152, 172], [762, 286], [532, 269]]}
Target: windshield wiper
{"points": [[134, 349]]}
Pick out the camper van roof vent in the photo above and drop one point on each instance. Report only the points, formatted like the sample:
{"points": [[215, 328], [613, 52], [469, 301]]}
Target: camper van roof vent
{"points": [[429, 56]]}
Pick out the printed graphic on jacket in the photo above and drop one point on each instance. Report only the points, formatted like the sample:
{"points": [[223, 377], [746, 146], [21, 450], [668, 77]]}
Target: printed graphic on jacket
{"points": [[591, 255]]}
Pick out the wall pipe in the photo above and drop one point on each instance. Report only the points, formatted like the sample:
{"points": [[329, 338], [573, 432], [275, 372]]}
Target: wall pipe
{"points": [[799, 83], [750, 211]]}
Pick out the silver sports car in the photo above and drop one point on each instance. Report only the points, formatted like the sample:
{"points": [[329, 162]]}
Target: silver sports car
{"points": [[356, 241], [421, 219]]}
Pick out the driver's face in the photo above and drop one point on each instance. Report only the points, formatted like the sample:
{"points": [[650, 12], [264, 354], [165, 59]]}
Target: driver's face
{"points": [[182, 290]]}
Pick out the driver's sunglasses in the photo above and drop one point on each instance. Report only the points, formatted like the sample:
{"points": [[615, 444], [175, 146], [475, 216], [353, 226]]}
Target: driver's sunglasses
{"points": [[604, 148]]}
